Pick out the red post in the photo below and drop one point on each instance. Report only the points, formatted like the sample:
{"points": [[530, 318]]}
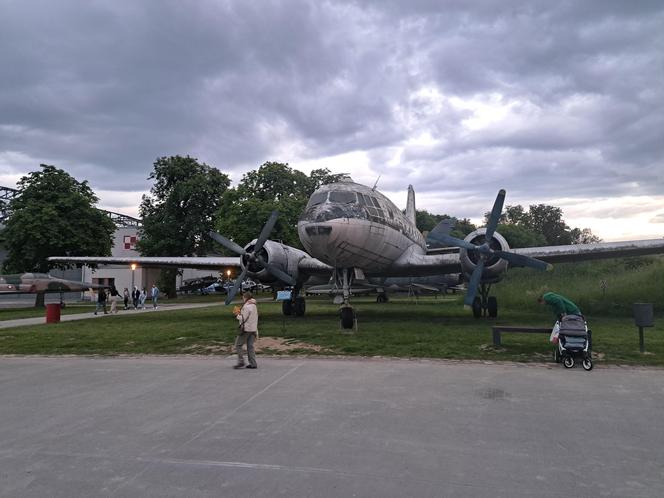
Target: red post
{"points": [[53, 313]]}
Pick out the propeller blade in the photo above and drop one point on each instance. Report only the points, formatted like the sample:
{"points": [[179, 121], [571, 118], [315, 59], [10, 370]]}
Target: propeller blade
{"points": [[281, 275], [473, 283], [452, 241], [494, 218], [265, 232], [236, 287], [227, 243], [521, 260]]}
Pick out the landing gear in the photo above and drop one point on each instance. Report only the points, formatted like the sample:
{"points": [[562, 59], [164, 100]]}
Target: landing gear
{"points": [[485, 305], [300, 306], [382, 298], [347, 315], [296, 305]]}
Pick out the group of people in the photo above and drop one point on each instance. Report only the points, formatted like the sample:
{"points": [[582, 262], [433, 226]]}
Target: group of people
{"points": [[137, 296]]}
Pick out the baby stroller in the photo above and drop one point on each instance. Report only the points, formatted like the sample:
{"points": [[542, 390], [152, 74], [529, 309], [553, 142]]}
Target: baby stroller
{"points": [[574, 340]]}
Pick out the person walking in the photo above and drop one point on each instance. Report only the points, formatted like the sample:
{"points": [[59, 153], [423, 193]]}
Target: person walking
{"points": [[247, 317], [155, 296], [144, 296], [101, 301], [135, 297], [115, 295], [125, 296]]}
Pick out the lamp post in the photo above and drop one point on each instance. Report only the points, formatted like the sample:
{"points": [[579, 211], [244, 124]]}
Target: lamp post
{"points": [[133, 268]]}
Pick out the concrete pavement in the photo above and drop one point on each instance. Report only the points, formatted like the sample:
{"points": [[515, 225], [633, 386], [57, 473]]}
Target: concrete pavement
{"points": [[150, 426]]}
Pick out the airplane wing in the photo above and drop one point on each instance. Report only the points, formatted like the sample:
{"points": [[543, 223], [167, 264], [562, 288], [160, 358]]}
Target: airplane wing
{"points": [[412, 263], [202, 263], [602, 250]]}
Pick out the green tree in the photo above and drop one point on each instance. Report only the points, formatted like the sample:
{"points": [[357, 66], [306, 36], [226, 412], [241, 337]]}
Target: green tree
{"points": [[179, 211], [53, 215], [540, 219], [274, 186], [520, 236]]}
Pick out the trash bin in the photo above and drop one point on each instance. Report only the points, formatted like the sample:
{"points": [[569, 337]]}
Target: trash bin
{"points": [[643, 314], [53, 313]]}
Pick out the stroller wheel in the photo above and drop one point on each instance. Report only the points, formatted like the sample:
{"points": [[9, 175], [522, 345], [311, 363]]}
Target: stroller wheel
{"points": [[587, 364], [568, 361]]}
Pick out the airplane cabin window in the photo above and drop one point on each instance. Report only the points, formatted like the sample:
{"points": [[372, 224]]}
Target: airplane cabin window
{"points": [[318, 198], [343, 197]]}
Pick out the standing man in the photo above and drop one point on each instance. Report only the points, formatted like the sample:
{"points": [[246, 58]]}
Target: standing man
{"points": [[155, 296], [135, 297], [248, 330], [101, 301]]}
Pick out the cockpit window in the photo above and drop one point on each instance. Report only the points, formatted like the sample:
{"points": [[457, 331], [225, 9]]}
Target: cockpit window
{"points": [[343, 197], [375, 201], [318, 198]]}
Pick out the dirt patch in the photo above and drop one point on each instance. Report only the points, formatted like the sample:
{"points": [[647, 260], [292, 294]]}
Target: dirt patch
{"points": [[280, 344]]}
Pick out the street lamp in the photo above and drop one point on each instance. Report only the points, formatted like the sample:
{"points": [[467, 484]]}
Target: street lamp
{"points": [[133, 268]]}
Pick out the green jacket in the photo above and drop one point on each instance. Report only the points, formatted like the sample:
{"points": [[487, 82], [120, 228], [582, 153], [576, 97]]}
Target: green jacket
{"points": [[561, 305]]}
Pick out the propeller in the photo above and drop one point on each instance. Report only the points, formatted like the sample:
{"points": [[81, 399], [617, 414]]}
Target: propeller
{"points": [[253, 256], [485, 252]]}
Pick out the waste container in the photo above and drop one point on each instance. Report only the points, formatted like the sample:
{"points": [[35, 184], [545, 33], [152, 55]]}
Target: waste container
{"points": [[53, 313]]}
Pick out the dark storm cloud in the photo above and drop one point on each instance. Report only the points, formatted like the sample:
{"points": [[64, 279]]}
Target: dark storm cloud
{"points": [[104, 88]]}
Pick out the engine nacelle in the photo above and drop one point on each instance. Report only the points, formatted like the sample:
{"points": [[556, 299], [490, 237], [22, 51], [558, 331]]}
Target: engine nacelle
{"points": [[494, 267], [284, 257]]}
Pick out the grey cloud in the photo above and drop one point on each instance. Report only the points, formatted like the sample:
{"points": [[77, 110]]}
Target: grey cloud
{"points": [[105, 88]]}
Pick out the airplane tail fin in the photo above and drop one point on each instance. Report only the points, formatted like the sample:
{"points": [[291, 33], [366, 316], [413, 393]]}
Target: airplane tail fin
{"points": [[410, 205]]}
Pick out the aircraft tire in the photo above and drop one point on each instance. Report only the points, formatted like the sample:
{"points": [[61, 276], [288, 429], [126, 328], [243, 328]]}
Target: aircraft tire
{"points": [[381, 298], [300, 306], [287, 307], [492, 306], [347, 317], [477, 307]]}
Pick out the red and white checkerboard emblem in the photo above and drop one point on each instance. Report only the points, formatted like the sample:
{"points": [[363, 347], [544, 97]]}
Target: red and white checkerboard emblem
{"points": [[130, 242]]}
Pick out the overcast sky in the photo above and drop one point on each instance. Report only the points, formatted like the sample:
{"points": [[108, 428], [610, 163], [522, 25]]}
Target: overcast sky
{"points": [[558, 102]]}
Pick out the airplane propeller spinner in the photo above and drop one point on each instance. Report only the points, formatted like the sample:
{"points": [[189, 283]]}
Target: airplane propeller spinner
{"points": [[484, 251], [253, 256]]}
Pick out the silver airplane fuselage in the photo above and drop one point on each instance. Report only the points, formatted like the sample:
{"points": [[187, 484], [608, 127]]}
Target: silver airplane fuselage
{"points": [[348, 225]]}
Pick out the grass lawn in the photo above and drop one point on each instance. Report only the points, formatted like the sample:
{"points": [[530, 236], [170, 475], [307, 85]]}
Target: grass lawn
{"points": [[428, 328]]}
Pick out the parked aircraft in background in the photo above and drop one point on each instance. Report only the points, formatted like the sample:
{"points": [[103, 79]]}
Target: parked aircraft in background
{"points": [[33, 283], [356, 237]]}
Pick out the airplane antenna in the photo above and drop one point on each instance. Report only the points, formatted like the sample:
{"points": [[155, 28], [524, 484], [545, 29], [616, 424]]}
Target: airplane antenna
{"points": [[376, 184]]}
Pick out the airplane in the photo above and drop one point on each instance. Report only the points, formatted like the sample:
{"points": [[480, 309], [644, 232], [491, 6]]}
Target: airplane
{"points": [[33, 283], [353, 234]]}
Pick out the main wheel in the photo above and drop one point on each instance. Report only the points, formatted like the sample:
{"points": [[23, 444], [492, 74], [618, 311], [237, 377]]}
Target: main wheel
{"points": [[568, 361], [381, 298], [492, 306], [347, 317], [300, 306], [477, 307], [287, 307], [587, 364]]}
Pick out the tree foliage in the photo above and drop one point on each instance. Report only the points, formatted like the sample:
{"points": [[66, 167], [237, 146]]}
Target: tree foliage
{"points": [[274, 186], [179, 211], [541, 224], [53, 215], [426, 221]]}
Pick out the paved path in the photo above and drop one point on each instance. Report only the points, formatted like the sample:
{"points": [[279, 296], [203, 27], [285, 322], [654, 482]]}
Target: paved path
{"points": [[195, 427], [5, 324]]}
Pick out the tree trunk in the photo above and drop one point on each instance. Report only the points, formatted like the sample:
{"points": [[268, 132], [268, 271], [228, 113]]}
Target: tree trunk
{"points": [[39, 300]]}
